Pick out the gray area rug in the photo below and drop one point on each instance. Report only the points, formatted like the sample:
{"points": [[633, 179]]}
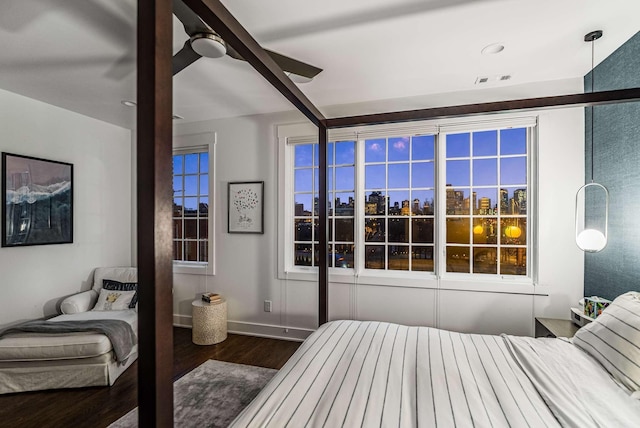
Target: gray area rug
{"points": [[211, 395]]}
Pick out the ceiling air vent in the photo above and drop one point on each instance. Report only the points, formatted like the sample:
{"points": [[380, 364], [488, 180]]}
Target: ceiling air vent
{"points": [[480, 80], [504, 77]]}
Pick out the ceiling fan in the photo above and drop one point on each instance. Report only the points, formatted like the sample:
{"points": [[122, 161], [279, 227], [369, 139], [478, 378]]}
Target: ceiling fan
{"points": [[204, 42]]}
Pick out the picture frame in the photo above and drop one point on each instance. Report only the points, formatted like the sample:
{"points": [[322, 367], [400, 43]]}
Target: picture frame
{"points": [[245, 207], [38, 201]]}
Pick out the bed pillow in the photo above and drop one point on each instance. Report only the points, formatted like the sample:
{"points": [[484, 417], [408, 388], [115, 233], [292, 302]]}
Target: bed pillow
{"points": [[614, 339], [113, 300], [110, 284]]}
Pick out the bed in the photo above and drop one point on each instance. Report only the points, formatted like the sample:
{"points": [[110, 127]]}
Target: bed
{"points": [[369, 374]]}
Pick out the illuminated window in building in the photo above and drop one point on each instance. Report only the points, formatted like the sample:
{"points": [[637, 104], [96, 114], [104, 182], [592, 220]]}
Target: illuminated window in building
{"points": [[191, 206]]}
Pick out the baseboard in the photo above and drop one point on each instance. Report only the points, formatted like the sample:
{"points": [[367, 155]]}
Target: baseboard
{"points": [[253, 329]]}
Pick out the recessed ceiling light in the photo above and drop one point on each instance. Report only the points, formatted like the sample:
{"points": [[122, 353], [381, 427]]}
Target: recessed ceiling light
{"points": [[492, 49], [129, 103]]}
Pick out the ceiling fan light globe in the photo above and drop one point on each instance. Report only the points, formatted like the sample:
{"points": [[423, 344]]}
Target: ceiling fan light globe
{"points": [[208, 45], [591, 240]]}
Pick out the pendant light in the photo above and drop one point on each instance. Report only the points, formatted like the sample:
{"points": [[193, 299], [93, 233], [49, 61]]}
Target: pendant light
{"points": [[592, 240]]}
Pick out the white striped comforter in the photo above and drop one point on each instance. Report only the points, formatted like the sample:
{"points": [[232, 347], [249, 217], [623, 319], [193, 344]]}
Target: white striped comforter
{"points": [[370, 374]]}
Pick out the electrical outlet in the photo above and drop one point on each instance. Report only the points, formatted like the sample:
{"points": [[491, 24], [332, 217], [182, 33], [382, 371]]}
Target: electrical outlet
{"points": [[267, 305]]}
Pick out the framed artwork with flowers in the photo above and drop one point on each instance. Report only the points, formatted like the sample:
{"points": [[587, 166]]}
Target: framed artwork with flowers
{"points": [[246, 207]]}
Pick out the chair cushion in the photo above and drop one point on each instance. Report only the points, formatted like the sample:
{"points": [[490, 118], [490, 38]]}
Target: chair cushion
{"points": [[121, 274]]}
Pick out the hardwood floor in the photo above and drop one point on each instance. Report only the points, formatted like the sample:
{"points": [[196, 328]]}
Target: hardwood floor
{"points": [[100, 406]]}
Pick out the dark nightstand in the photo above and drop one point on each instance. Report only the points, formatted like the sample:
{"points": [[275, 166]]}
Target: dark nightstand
{"points": [[552, 327]]}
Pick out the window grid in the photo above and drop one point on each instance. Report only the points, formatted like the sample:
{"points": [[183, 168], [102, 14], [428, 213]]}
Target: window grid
{"points": [[191, 207]]}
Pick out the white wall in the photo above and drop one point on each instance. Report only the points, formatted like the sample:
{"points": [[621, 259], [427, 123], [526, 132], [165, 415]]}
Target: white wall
{"points": [[35, 278], [246, 265]]}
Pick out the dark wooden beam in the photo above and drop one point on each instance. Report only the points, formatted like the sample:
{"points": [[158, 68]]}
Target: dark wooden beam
{"points": [[574, 100], [220, 19], [154, 211], [323, 262]]}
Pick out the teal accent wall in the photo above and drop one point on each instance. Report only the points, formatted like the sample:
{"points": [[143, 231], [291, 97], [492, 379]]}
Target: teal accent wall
{"points": [[616, 132]]}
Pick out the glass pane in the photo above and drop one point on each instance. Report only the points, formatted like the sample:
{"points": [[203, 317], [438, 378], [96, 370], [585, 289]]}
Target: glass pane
{"points": [[204, 163], [204, 251], [513, 141], [203, 232], [485, 143], [458, 173], [374, 230], [398, 176], [458, 201], [191, 185], [177, 228], [344, 204], [485, 230], [398, 149], [398, 257], [375, 203], [303, 180], [375, 150], [422, 230], [458, 230], [204, 184], [513, 261], [303, 205], [191, 251], [422, 202], [398, 230], [177, 250], [191, 228], [374, 257], [422, 175], [177, 207], [343, 256], [514, 231], [302, 255], [422, 259], [177, 186], [374, 177], [204, 207], [345, 152], [399, 203], [485, 260], [458, 145], [485, 172], [458, 259], [485, 201], [513, 170], [302, 230], [190, 207], [191, 163], [303, 155], [345, 178], [329, 153], [344, 229], [513, 201], [177, 164], [422, 147]]}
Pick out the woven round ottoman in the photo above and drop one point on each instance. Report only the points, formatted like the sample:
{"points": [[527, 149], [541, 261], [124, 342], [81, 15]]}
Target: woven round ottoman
{"points": [[209, 322]]}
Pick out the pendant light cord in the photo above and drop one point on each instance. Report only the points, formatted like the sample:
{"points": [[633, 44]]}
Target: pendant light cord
{"points": [[593, 78]]}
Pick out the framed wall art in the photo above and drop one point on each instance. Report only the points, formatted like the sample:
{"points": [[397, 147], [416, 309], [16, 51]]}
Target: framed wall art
{"points": [[246, 207], [38, 196]]}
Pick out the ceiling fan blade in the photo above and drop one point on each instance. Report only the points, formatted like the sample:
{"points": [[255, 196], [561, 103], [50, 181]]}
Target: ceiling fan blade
{"points": [[191, 21], [185, 57], [284, 62]]}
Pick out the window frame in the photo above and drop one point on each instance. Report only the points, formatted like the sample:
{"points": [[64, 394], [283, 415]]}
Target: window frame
{"points": [[199, 143], [290, 135]]}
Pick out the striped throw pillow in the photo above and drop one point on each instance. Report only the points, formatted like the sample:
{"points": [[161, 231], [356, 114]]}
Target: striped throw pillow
{"points": [[614, 339]]}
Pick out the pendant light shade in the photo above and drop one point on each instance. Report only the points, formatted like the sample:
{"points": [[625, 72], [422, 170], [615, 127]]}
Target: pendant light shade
{"points": [[592, 240]]}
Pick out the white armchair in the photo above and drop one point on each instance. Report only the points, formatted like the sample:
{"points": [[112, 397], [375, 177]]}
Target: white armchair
{"points": [[86, 300]]}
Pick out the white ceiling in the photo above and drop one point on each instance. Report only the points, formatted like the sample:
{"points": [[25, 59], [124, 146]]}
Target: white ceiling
{"points": [[80, 55]]}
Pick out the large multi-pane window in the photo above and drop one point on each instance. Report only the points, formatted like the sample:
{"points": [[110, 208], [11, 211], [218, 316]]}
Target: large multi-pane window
{"points": [[399, 198], [191, 206], [453, 202], [341, 188]]}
